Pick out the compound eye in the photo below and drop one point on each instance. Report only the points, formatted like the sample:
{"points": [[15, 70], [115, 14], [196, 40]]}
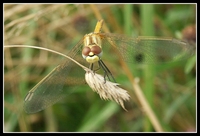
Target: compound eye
{"points": [[86, 50], [96, 49]]}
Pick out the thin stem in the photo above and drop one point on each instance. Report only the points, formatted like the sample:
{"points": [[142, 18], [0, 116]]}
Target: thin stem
{"points": [[146, 107], [42, 48]]}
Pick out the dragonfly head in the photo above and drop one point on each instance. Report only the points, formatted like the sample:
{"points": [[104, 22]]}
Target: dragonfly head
{"points": [[92, 48], [92, 53]]}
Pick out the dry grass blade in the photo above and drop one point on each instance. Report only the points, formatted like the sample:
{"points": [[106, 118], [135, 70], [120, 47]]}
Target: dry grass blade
{"points": [[106, 89]]}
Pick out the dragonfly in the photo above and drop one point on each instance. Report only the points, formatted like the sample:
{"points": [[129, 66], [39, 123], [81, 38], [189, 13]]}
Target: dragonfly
{"points": [[90, 49]]}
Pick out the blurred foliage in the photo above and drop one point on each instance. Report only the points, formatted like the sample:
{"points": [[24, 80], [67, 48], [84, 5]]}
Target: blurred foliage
{"points": [[60, 27]]}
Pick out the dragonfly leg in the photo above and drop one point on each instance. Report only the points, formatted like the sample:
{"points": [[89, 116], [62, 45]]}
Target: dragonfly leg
{"points": [[106, 71], [92, 67]]}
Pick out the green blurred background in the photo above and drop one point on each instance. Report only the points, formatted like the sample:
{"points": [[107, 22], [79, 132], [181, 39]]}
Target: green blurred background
{"points": [[169, 88]]}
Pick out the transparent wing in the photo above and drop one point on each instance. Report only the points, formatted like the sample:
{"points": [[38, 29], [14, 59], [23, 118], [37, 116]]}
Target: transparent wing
{"points": [[50, 89], [148, 50]]}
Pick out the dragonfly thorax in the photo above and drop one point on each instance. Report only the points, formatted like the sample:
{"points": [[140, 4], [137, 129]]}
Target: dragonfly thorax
{"points": [[92, 48]]}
